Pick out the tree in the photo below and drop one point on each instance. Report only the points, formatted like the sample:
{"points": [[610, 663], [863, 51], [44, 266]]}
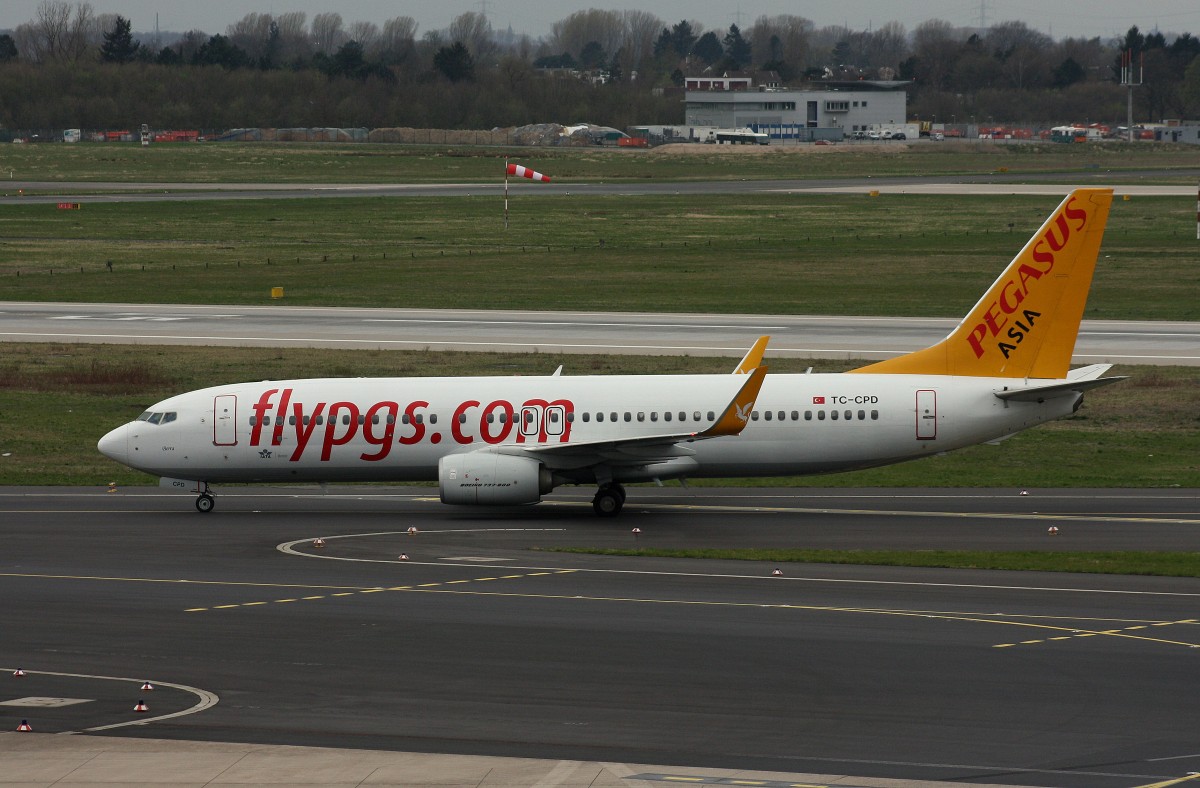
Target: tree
{"points": [[592, 55], [455, 63], [1067, 73], [708, 48], [8, 48], [737, 49], [682, 38], [119, 46], [219, 51]]}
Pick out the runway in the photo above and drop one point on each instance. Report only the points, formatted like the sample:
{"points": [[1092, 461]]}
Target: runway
{"points": [[806, 336], [486, 640]]}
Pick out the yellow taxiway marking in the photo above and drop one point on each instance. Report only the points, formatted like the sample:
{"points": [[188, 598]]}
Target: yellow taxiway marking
{"points": [[1176, 781], [424, 587], [1112, 633], [342, 591]]}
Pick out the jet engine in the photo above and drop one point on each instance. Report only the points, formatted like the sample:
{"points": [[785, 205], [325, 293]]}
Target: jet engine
{"points": [[483, 478]]}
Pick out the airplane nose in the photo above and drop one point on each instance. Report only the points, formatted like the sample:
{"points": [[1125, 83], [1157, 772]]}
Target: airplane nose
{"points": [[115, 445]]}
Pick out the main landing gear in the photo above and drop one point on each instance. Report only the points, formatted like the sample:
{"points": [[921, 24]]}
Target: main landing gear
{"points": [[205, 502], [609, 500]]}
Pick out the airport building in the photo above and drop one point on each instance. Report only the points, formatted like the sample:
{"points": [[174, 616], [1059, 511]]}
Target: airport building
{"points": [[833, 112]]}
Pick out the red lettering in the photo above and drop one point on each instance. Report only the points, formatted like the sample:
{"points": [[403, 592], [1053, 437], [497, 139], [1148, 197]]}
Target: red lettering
{"points": [[304, 429], [331, 425], [384, 442], [1056, 244], [459, 418], [1027, 272], [277, 434], [260, 410], [1019, 294], [1042, 257], [1076, 213], [990, 316], [416, 422], [488, 417], [975, 338]]}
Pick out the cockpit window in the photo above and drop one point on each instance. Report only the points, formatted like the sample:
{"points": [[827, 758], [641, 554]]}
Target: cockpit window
{"points": [[158, 418]]}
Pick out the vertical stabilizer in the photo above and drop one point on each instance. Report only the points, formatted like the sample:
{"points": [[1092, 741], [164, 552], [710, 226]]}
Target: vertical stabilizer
{"points": [[1026, 324]]}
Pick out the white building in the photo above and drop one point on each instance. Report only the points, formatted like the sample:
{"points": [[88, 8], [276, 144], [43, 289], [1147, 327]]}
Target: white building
{"points": [[839, 110]]}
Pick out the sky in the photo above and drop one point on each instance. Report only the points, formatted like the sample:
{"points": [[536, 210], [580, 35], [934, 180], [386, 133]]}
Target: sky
{"points": [[1104, 18]]}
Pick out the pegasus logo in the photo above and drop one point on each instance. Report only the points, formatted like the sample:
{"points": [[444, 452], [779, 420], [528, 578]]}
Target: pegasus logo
{"points": [[743, 411]]}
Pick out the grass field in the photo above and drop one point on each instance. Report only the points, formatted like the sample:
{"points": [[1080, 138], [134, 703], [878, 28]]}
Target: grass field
{"points": [[761, 253], [57, 400], [369, 163]]}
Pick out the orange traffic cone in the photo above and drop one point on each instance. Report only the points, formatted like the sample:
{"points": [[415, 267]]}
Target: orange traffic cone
{"points": [[24, 727], [141, 706]]}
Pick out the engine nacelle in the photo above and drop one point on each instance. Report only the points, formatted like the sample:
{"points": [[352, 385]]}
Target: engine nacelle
{"points": [[482, 477]]}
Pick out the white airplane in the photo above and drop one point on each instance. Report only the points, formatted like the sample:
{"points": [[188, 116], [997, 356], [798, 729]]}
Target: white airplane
{"points": [[511, 440]]}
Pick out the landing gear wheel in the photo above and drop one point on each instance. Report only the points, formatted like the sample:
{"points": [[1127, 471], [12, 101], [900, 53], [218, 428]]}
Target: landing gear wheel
{"points": [[205, 503], [619, 490], [608, 501]]}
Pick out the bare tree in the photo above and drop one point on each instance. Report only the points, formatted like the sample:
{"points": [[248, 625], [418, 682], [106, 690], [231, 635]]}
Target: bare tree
{"points": [[327, 32], [59, 31], [475, 32], [581, 28], [936, 44], [397, 41], [253, 35], [784, 38], [641, 29], [367, 35], [294, 42]]}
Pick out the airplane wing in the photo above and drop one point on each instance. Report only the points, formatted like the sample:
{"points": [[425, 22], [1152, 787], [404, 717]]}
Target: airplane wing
{"points": [[649, 448], [1078, 381]]}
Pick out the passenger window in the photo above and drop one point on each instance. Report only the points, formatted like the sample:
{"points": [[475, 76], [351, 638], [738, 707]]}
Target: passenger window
{"points": [[587, 416], [362, 419], [820, 415], [432, 418], [554, 416], [682, 416], [667, 416], [628, 416], [600, 415], [711, 416], [653, 415], [874, 415], [391, 419], [253, 420], [782, 415], [849, 415], [612, 416], [571, 417], [320, 419], [754, 415], [405, 419], [808, 415], [420, 418], [462, 418], [795, 415], [345, 419], [862, 415], [696, 416], [490, 418], [833, 414], [767, 415], [504, 418], [641, 415], [375, 419]]}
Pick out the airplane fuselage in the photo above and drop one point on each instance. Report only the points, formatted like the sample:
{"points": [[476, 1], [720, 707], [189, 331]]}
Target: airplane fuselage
{"points": [[397, 429]]}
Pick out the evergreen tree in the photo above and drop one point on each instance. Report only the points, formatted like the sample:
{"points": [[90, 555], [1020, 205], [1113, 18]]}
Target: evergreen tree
{"points": [[8, 48], [737, 49], [708, 48], [455, 63], [119, 46]]}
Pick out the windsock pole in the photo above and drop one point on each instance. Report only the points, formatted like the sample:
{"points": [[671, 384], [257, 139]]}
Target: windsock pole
{"points": [[506, 195]]}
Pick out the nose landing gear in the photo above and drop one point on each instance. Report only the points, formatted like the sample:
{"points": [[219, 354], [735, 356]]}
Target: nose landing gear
{"points": [[205, 502]]}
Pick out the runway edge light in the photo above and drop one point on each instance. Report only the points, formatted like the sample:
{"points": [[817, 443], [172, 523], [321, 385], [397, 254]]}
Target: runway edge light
{"points": [[24, 727], [147, 687], [141, 706], [18, 673]]}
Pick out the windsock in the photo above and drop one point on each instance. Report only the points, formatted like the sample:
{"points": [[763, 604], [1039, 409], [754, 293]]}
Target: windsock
{"points": [[525, 172]]}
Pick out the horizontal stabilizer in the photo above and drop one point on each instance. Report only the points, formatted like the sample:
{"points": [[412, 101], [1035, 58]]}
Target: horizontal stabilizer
{"points": [[1052, 390]]}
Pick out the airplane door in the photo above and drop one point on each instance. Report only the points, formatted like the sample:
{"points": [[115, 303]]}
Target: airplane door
{"points": [[926, 415], [225, 420]]}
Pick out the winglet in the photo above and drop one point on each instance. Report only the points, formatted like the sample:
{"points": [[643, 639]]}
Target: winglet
{"points": [[736, 415], [1026, 324], [753, 357]]}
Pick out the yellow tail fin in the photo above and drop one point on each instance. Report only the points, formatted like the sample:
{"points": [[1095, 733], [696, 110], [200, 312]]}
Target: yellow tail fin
{"points": [[1026, 324]]}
